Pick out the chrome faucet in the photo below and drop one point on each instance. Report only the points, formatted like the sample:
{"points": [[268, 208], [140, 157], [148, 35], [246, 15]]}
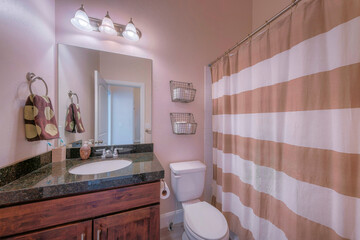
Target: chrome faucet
{"points": [[108, 153]]}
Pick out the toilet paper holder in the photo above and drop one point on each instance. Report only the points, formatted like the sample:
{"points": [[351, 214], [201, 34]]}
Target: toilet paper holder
{"points": [[164, 189]]}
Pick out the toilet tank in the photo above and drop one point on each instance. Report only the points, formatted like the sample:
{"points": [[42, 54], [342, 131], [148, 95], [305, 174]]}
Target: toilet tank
{"points": [[187, 180]]}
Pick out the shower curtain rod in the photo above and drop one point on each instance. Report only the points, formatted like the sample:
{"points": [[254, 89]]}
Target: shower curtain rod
{"points": [[256, 30]]}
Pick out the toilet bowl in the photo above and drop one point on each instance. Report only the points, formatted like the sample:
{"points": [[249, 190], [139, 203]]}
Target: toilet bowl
{"points": [[202, 221]]}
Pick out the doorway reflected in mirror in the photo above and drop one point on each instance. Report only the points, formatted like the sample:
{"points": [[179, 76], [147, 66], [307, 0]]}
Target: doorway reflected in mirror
{"points": [[114, 94]]}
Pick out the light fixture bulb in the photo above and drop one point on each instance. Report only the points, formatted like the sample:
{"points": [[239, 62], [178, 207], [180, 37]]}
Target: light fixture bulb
{"points": [[107, 25], [130, 32], [81, 20]]}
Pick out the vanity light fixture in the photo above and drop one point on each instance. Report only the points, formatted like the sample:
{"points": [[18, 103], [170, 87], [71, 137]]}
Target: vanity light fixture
{"points": [[107, 25], [82, 22], [130, 32]]}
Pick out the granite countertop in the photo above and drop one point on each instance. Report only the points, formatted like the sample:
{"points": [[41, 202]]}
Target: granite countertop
{"points": [[54, 180]]}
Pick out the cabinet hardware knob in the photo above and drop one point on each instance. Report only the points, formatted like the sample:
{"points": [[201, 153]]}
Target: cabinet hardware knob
{"points": [[98, 234], [83, 236]]}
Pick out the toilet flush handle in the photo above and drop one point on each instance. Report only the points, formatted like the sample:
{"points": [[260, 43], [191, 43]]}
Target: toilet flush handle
{"points": [[177, 176]]}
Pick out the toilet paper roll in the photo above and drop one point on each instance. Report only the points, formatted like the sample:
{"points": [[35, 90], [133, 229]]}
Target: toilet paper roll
{"points": [[164, 190]]}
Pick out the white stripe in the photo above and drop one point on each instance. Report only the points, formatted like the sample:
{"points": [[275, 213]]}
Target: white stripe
{"points": [[259, 227], [335, 48], [336, 129], [319, 204]]}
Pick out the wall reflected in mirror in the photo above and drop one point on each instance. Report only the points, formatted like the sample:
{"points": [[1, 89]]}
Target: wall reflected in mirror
{"points": [[110, 100]]}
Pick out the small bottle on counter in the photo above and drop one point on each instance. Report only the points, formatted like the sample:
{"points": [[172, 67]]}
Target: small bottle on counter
{"points": [[85, 151]]}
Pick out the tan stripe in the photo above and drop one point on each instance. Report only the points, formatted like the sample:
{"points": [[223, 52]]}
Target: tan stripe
{"points": [[213, 199], [274, 210], [326, 168], [234, 223], [214, 173], [338, 88], [311, 18]]}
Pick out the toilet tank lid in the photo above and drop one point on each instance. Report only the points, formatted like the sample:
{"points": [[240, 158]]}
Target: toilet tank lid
{"points": [[187, 167]]}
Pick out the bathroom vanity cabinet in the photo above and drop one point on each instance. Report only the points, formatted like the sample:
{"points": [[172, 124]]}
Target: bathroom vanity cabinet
{"points": [[130, 212]]}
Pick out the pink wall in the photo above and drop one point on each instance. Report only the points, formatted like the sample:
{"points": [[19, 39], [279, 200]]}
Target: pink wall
{"points": [[181, 37], [26, 45], [264, 9]]}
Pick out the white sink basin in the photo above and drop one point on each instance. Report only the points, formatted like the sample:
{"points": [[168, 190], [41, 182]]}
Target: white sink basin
{"points": [[100, 167]]}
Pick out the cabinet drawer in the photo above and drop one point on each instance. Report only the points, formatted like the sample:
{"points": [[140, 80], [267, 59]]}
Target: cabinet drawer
{"points": [[32, 216], [75, 231]]}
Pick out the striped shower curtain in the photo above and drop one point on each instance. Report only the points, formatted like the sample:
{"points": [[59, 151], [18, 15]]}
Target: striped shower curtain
{"points": [[286, 127]]}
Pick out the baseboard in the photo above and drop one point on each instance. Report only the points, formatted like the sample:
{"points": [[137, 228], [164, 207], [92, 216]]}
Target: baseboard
{"points": [[174, 216]]}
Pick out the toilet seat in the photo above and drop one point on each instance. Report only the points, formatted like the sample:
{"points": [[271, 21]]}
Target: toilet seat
{"points": [[204, 221]]}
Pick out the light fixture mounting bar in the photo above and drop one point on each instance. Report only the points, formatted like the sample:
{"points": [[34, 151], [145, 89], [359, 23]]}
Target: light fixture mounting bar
{"points": [[96, 23]]}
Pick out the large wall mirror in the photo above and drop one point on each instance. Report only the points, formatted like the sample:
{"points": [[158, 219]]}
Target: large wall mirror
{"points": [[103, 97]]}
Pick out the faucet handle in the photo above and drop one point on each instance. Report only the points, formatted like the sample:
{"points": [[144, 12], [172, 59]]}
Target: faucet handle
{"points": [[103, 153], [115, 152]]}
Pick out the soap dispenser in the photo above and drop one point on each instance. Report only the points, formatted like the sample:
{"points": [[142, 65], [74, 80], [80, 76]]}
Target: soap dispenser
{"points": [[85, 151]]}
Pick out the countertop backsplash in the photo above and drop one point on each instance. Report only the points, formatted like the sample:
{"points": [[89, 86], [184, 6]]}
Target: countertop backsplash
{"points": [[12, 172], [130, 148]]}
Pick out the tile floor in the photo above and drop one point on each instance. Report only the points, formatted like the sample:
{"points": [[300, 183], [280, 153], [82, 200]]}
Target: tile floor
{"points": [[165, 234]]}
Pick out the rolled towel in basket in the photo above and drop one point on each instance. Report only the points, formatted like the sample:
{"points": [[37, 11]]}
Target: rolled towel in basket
{"points": [[39, 117], [73, 119]]}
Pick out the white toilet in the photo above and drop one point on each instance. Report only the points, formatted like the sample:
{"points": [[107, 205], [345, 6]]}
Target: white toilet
{"points": [[202, 221]]}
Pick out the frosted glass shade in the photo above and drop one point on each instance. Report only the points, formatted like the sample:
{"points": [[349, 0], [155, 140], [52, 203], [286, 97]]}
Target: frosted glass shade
{"points": [[81, 20], [130, 32], [107, 26]]}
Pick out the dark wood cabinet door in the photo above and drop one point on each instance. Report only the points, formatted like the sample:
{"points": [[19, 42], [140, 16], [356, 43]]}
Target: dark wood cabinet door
{"points": [[75, 231], [139, 224]]}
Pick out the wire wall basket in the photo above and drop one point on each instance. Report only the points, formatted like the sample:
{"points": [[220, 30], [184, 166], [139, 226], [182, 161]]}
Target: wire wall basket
{"points": [[183, 123], [182, 92]]}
